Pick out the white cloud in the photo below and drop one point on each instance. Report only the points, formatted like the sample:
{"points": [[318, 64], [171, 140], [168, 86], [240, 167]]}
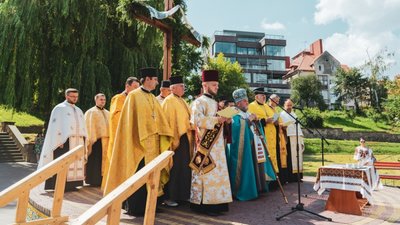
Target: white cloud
{"points": [[272, 26], [372, 26]]}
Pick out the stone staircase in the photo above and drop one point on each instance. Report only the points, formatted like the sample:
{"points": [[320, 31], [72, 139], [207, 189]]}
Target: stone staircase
{"points": [[9, 151]]}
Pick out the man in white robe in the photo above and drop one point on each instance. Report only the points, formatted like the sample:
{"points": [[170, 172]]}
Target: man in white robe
{"points": [[211, 191], [65, 131], [289, 125]]}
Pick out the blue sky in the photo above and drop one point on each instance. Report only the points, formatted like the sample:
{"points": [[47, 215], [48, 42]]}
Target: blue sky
{"points": [[350, 29]]}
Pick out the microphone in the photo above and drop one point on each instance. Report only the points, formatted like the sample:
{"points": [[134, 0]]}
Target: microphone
{"points": [[297, 107]]}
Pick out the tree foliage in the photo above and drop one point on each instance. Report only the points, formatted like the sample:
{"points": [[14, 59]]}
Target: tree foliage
{"points": [[351, 85], [306, 91], [392, 104], [47, 46], [230, 75], [375, 69]]}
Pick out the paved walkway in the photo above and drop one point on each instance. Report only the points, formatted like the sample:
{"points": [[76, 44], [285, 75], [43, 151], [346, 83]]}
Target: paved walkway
{"points": [[9, 174], [260, 211]]}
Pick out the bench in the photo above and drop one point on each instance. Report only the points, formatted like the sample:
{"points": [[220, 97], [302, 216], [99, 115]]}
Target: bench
{"points": [[388, 166]]}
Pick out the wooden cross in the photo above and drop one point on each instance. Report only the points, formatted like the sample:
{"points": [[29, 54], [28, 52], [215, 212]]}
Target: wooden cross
{"points": [[167, 46]]}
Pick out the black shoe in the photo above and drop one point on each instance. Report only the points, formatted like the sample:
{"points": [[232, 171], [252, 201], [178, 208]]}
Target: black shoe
{"points": [[159, 210], [71, 189], [213, 214]]}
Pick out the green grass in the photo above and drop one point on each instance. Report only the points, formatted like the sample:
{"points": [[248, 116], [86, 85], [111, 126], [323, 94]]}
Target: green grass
{"points": [[21, 119], [338, 119], [313, 162], [313, 146]]}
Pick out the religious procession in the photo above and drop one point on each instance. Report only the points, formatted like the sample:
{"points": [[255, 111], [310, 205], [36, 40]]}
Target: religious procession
{"points": [[220, 153], [121, 112]]}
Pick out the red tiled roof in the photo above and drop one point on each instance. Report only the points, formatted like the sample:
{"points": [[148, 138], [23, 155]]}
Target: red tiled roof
{"points": [[345, 67], [304, 60]]}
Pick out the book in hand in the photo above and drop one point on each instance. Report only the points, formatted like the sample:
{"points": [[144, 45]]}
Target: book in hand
{"points": [[286, 124], [275, 117], [228, 112]]}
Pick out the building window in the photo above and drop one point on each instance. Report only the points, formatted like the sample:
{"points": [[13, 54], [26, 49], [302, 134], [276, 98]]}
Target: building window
{"points": [[277, 65], [251, 51], [247, 76], [241, 51], [232, 59], [324, 80], [248, 39], [274, 50], [260, 78], [224, 47]]}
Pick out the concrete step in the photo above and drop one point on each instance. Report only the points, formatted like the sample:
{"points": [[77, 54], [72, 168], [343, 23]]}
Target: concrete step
{"points": [[8, 147], [3, 160], [8, 151], [6, 140], [11, 156]]}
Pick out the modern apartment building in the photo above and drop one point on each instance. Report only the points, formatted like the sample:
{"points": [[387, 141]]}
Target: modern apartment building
{"points": [[261, 56]]}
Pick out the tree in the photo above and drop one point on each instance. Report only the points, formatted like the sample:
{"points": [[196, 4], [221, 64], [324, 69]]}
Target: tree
{"points": [[306, 91], [392, 103], [230, 75], [375, 69], [47, 46], [351, 85]]}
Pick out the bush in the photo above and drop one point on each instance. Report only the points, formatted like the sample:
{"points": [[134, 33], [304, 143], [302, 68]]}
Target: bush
{"points": [[351, 114], [374, 115], [312, 118]]}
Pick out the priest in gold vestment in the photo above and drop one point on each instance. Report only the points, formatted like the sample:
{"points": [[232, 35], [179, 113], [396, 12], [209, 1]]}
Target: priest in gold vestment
{"points": [[177, 112], [164, 91], [270, 119], [210, 192], [96, 119], [117, 102], [143, 134]]}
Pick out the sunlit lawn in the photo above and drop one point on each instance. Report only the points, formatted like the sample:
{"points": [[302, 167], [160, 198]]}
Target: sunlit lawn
{"points": [[338, 119], [20, 118], [313, 162]]}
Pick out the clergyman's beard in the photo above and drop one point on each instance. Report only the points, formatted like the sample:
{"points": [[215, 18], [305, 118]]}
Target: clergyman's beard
{"points": [[71, 102], [243, 108], [211, 92]]}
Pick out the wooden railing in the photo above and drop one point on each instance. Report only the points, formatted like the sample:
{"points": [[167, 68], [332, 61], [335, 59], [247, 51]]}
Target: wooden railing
{"points": [[110, 205], [22, 188]]}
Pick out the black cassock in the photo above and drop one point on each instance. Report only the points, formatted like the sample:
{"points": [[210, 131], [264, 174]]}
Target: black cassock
{"points": [[93, 165], [51, 182]]}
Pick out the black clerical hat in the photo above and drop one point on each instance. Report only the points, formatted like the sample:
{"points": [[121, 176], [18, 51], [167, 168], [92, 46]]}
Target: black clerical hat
{"points": [[165, 83], [209, 75], [148, 72], [176, 80], [259, 91]]}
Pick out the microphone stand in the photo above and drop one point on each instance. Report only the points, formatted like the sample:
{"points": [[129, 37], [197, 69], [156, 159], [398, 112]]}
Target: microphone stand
{"points": [[299, 206], [323, 139]]}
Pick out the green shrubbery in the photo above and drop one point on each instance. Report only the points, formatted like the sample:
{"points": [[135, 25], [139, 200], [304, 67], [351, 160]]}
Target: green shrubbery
{"points": [[312, 118]]}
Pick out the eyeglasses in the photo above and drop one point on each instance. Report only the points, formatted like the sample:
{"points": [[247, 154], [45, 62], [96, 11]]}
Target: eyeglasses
{"points": [[362, 141]]}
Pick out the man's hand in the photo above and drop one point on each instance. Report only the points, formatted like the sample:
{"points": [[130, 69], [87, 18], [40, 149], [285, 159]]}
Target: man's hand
{"points": [[222, 119], [252, 117], [270, 120]]}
